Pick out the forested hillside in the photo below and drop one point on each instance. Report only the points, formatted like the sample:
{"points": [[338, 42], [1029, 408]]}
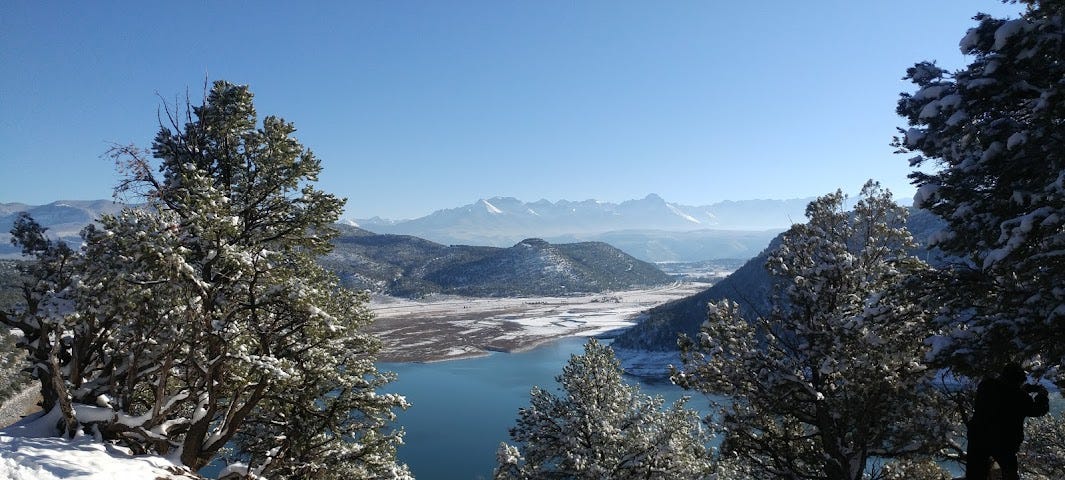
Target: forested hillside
{"points": [[750, 287], [408, 266]]}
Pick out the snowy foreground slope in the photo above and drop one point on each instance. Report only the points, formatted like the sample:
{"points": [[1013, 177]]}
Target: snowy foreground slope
{"points": [[29, 452]]}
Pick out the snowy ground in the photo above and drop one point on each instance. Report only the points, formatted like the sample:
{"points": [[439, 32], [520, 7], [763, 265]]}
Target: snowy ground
{"points": [[456, 327], [29, 452]]}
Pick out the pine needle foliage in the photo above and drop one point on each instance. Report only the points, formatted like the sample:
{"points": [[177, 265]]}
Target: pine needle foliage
{"points": [[600, 427], [202, 320]]}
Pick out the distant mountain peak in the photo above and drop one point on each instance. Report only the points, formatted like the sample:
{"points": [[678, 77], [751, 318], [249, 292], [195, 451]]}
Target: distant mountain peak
{"points": [[503, 221]]}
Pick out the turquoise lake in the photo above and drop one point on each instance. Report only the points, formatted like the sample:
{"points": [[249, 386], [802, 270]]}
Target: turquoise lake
{"points": [[463, 409]]}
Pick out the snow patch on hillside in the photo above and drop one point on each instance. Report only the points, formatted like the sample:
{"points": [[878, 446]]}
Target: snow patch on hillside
{"points": [[491, 208], [681, 214]]}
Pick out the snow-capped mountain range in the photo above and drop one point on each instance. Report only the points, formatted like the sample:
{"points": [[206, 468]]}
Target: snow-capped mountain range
{"points": [[650, 229], [502, 221]]}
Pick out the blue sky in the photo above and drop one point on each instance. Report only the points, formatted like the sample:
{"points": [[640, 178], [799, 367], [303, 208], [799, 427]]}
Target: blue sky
{"points": [[418, 105]]}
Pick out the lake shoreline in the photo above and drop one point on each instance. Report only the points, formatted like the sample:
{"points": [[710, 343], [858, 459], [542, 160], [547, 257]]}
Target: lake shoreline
{"points": [[456, 328]]}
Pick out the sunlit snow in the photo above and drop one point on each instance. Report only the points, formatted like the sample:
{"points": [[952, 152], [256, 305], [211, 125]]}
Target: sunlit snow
{"points": [[29, 452]]}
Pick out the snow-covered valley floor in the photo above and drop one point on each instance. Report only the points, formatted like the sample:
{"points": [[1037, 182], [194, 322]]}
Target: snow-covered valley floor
{"points": [[455, 327]]}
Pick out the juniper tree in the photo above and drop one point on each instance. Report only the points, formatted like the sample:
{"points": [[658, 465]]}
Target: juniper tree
{"points": [[993, 132], [832, 376], [43, 315], [601, 427], [201, 319]]}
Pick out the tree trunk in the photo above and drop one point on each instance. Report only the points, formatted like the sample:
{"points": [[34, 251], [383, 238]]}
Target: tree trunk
{"points": [[69, 423]]}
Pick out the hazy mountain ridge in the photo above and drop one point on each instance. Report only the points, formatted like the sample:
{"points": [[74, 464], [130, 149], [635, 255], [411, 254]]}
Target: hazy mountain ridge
{"points": [[690, 246], [501, 221], [408, 266], [667, 234]]}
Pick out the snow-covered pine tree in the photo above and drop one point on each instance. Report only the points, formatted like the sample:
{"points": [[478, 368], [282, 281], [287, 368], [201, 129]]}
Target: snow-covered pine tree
{"points": [[202, 320], [601, 427], [832, 376], [994, 132]]}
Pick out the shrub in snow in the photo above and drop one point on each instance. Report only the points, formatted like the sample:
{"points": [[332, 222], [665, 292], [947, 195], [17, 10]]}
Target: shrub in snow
{"points": [[831, 376], [993, 130], [602, 427], [202, 319]]}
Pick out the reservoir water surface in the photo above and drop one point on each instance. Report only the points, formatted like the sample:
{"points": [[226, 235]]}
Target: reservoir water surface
{"points": [[463, 409]]}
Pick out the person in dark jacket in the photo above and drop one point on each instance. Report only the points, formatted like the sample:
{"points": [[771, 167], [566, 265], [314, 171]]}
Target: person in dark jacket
{"points": [[997, 427]]}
